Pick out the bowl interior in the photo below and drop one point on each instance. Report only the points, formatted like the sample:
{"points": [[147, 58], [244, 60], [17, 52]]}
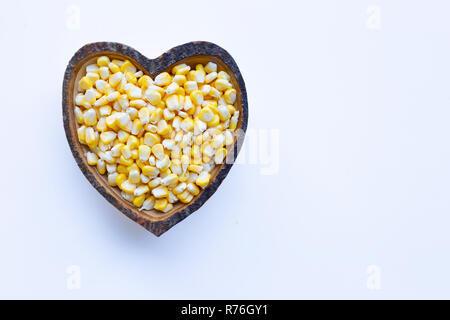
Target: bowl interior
{"points": [[79, 71]]}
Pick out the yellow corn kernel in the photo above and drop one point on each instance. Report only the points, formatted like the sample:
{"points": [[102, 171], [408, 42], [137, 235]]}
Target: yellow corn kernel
{"points": [[193, 189], [179, 79], [234, 120], [150, 171], [203, 179], [164, 163], [163, 79], [127, 66], [144, 152], [169, 180], [223, 75], [107, 137], [224, 112], [91, 138], [163, 128], [124, 161], [113, 67], [220, 155], [229, 138], [141, 190], [132, 142], [137, 126], [215, 121], [93, 76], [161, 204], [131, 78], [134, 176], [184, 177], [153, 96], [156, 115], [181, 69], [154, 182], [185, 196], [195, 168], [222, 84], [120, 178], [91, 158], [111, 122], [85, 83], [199, 76], [122, 169], [187, 124], [101, 166], [151, 139], [210, 77], [127, 186], [134, 92], [211, 67], [218, 140], [230, 96], [103, 61], [196, 97], [139, 200], [138, 103], [122, 136], [158, 151], [145, 81], [126, 151], [160, 192], [206, 114], [144, 115], [79, 115], [90, 117], [179, 188], [134, 154], [81, 132]]}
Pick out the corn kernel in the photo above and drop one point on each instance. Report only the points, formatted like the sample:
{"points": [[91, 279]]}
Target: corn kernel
{"points": [[215, 121], [144, 152], [160, 192], [230, 96], [210, 67], [150, 171], [222, 84], [101, 166], [205, 114], [181, 69], [203, 179], [134, 176], [103, 61], [139, 200], [151, 139], [196, 97], [92, 158], [127, 66], [163, 79], [120, 178], [127, 186], [85, 83], [220, 155], [161, 204], [193, 189], [169, 180]]}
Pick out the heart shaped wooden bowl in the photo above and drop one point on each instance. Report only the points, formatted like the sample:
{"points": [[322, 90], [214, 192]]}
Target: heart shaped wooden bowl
{"points": [[190, 53]]}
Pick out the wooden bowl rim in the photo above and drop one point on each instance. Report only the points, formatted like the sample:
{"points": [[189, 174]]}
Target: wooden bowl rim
{"points": [[153, 67]]}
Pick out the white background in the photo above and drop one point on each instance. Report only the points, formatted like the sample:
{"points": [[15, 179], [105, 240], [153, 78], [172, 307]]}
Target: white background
{"points": [[361, 105]]}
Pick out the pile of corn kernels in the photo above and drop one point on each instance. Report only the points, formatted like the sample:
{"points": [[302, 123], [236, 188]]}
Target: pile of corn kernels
{"points": [[156, 140]]}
